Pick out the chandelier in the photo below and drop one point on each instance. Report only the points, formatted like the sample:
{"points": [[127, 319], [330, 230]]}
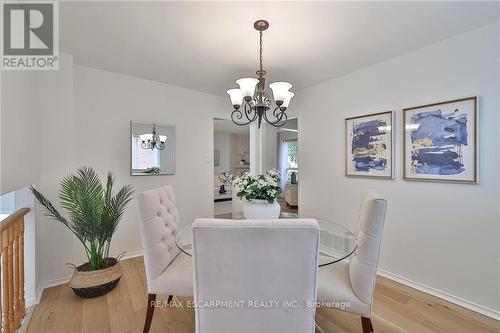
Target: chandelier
{"points": [[256, 101], [153, 140]]}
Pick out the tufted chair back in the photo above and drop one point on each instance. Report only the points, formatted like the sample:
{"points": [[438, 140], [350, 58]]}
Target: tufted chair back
{"points": [[365, 197], [363, 266], [255, 260], [159, 221]]}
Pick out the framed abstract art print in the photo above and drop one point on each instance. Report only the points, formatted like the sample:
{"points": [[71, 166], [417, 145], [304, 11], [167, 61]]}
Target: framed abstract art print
{"points": [[440, 142], [370, 145]]}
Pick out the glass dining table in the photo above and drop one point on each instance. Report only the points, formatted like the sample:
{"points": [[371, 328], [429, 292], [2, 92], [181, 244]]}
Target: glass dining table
{"points": [[336, 241]]}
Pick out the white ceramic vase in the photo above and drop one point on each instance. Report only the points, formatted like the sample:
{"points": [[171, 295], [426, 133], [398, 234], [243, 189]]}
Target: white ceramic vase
{"points": [[261, 209]]}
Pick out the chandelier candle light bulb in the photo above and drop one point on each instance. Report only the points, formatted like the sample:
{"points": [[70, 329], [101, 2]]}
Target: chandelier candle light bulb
{"points": [[280, 91], [287, 100], [236, 97], [247, 86], [146, 137]]}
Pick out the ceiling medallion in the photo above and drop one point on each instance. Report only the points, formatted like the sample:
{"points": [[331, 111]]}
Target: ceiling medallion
{"points": [[252, 93]]}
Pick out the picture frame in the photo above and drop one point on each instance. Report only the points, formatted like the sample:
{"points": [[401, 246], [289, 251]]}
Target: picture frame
{"points": [[440, 142], [369, 148]]}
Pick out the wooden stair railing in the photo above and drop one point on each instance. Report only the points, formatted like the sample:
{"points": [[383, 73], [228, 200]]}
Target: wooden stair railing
{"points": [[12, 271]]}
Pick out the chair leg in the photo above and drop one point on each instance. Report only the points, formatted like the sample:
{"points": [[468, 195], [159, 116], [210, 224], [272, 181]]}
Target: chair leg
{"points": [[169, 299], [366, 323], [149, 313]]}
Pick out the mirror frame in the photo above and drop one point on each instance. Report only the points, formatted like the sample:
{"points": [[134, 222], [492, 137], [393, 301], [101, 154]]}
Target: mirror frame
{"points": [[131, 133]]}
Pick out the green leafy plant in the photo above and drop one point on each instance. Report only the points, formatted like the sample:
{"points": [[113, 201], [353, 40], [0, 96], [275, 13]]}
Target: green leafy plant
{"points": [[94, 211], [261, 187]]}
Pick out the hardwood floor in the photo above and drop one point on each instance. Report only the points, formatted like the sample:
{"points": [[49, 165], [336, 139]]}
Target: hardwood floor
{"points": [[397, 308], [286, 208]]}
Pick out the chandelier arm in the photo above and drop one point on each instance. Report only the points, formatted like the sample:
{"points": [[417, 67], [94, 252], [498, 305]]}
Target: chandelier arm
{"points": [[237, 115], [276, 113], [279, 118], [283, 114], [248, 112], [279, 114]]}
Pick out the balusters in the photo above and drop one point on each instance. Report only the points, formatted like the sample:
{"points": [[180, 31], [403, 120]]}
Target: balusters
{"points": [[12, 271], [17, 260], [5, 280], [20, 270], [10, 276]]}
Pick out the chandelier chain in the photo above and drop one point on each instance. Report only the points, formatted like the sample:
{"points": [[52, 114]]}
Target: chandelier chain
{"points": [[260, 51]]}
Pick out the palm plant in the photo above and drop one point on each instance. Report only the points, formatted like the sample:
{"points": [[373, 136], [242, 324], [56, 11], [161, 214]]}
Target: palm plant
{"points": [[94, 211]]}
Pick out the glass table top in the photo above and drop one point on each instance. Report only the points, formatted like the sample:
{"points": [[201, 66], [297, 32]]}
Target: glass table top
{"points": [[336, 241]]}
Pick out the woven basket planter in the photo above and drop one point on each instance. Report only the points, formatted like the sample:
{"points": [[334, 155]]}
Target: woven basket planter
{"points": [[89, 284]]}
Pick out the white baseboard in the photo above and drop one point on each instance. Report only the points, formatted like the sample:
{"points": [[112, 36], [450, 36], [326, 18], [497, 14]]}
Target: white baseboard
{"points": [[443, 295], [31, 301], [133, 254], [26, 320], [56, 282], [46, 285]]}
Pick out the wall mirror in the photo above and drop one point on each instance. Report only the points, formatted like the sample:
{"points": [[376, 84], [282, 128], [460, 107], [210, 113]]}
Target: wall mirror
{"points": [[152, 149]]}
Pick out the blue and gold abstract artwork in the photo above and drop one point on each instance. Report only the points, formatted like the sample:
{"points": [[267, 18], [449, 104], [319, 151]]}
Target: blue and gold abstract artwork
{"points": [[440, 141], [369, 145]]}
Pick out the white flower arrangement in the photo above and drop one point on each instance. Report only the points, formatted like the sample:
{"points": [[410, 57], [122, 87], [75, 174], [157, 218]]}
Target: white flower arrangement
{"points": [[261, 187]]}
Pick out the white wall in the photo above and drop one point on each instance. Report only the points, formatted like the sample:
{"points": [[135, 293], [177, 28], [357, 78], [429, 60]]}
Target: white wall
{"points": [[57, 152], [222, 143], [239, 143], [20, 131], [444, 236]]}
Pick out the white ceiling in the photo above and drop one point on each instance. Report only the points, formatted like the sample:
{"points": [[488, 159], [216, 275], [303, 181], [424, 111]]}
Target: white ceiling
{"points": [[207, 45]]}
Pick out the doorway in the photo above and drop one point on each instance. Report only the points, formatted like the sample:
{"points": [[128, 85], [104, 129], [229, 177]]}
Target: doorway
{"points": [[231, 159], [288, 165]]}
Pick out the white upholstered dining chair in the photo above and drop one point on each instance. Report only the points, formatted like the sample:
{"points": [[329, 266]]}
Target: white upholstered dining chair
{"points": [[255, 261], [353, 283], [167, 272]]}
